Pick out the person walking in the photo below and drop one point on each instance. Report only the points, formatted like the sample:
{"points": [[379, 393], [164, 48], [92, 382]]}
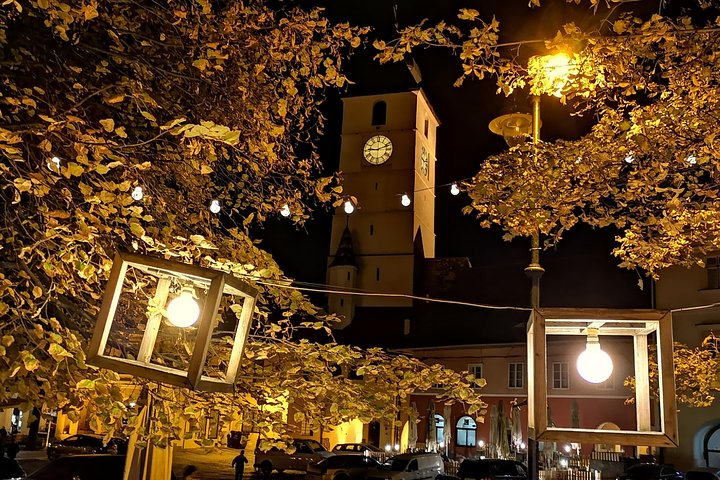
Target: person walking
{"points": [[239, 464]]}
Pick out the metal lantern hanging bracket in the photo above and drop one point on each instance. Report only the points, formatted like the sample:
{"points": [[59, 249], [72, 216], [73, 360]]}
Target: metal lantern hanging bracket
{"points": [[215, 285], [638, 324]]}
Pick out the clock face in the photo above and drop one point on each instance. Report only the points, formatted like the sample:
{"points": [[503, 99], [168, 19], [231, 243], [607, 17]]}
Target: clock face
{"points": [[424, 162], [378, 149]]}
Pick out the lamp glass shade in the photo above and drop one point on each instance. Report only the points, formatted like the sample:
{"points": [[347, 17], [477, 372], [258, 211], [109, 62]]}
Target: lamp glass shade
{"points": [[183, 310], [593, 364]]}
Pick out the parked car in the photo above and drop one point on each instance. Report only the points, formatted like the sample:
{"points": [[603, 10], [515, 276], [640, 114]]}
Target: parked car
{"points": [[651, 471], [82, 467], [85, 444], [343, 467], [410, 466], [703, 473], [305, 453], [355, 449], [492, 469]]}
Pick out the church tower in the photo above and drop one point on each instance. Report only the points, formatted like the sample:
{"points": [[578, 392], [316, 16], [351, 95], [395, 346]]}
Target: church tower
{"points": [[387, 151]]}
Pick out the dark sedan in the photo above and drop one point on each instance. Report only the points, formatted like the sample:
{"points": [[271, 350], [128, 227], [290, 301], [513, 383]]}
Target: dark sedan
{"points": [[651, 471], [82, 467], [85, 444], [494, 469]]}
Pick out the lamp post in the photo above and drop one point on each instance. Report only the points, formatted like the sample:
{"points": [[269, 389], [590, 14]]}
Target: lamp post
{"points": [[551, 73]]}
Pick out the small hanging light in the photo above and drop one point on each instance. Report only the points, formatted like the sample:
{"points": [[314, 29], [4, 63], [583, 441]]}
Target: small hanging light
{"points": [[454, 189], [285, 211], [54, 164], [630, 157], [691, 159], [137, 194], [215, 206], [349, 206], [405, 200]]}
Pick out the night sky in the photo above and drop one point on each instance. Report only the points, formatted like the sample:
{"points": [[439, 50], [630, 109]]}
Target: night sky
{"points": [[580, 270]]}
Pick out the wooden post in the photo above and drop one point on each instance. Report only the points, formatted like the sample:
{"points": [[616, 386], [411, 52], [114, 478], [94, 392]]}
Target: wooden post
{"points": [[153, 324]]}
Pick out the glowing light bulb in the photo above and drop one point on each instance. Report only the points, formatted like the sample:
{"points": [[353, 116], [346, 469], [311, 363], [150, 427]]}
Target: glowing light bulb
{"points": [[405, 200], [454, 189], [691, 159], [285, 211], [578, 160], [593, 364], [54, 164], [481, 443], [522, 445], [567, 448], [630, 157], [388, 448], [563, 462], [215, 206], [397, 447], [137, 193], [349, 207], [183, 310]]}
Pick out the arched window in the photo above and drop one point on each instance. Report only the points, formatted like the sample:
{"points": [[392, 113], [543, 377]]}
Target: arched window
{"points": [[439, 428], [711, 447], [466, 432], [379, 113]]}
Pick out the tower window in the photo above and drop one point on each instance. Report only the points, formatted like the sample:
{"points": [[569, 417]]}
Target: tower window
{"points": [[376, 186], [379, 113], [348, 276], [426, 127], [406, 326], [372, 229], [342, 302], [377, 274]]}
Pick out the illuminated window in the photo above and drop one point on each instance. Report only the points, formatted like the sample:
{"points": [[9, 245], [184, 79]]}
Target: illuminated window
{"points": [[466, 432], [439, 428], [476, 370]]}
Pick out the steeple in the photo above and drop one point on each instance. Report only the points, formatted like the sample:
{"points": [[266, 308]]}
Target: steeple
{"points": [[345, 255]]}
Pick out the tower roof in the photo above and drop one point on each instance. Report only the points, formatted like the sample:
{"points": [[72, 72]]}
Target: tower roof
{"points": [[345, 255]]}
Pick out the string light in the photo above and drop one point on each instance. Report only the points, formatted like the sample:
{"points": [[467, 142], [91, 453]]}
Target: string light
{"points": [[137, 194], [285, 211], [630, 157], [454, 189], [183, 310], [215, 206], [691, 159], [54, 164], [349, 207], [405, 200]]}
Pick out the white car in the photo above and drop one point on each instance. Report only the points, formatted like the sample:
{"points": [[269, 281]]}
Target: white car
{"points": [[306, 452], [356, 449], [343, 467]]}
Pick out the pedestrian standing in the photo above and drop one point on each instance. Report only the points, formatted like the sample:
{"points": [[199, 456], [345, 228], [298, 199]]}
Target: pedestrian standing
{"points": [[239, 464]]}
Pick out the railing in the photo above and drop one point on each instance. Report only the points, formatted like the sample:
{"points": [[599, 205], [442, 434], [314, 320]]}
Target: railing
{"points": [[568, 474], [451, 467], [608, 456]]}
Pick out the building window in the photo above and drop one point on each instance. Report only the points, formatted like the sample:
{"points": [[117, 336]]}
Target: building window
{"points": [[476, 370], [466, 429], [376, 186], [342, 302], [406, 326], [348, 276], [426, 128], [712, 267], [561, 379], [379, 113], [439, 428], [377, 274], [372, 230], [515, 375]]}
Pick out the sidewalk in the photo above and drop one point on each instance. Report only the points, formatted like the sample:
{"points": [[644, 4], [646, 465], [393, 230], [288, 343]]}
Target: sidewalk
{"points": [[31, 460]]}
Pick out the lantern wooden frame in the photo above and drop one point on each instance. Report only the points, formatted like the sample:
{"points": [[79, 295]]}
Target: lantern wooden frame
{"points": [[217, 284], [636, 323]]}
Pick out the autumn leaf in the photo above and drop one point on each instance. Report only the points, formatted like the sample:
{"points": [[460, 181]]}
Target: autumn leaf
{"points": [[108, 124], [57, 352]]}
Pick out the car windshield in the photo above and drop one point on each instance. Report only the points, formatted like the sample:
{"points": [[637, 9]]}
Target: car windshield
{"points": [[316, 447], [398, 464]]}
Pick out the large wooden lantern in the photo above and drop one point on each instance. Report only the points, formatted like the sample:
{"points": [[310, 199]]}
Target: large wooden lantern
{"points": [[172, 322], [644, 327]]}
